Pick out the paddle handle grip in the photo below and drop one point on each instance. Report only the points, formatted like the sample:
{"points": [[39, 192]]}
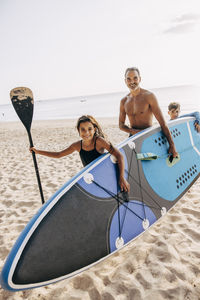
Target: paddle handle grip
{"points": [[36, 168]]}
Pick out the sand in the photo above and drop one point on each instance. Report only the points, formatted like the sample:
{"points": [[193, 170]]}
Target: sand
{"points": [[163, 263]]}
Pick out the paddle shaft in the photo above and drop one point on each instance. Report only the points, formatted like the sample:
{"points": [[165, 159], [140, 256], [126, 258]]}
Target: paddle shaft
{"points": [[22, 101], [36, 166]]}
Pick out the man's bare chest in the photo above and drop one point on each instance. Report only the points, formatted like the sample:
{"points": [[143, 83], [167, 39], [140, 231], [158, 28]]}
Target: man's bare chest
{"points": [[134, 106]]}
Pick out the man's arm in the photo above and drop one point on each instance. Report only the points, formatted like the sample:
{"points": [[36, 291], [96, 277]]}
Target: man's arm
{"points": [[122, 119], [160, 118]]}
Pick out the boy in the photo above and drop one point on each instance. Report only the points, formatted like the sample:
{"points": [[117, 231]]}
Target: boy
{"points": [[174, 111]]}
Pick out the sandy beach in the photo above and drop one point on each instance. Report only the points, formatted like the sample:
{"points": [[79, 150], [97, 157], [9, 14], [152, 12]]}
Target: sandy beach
{"points": [[163, 263]]}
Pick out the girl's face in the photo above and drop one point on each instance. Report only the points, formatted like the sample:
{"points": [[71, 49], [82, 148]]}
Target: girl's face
{"points": [[174, 113], [86, 131]]}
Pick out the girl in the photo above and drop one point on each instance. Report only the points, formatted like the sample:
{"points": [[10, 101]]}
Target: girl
{"points": [[91, 146]]}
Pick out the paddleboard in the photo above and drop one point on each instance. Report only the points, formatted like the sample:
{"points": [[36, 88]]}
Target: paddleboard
{"points": [[88, 219]]}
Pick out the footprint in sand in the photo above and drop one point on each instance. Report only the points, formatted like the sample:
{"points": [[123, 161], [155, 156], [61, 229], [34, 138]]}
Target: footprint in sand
{"points": [[107, 296], [51, 185], [192, 212], [3, 251], [19, 228], [106, 280], [142, 281], [2, 212], [193, 234], [94, 294], [8, 203], [11, 179], [13, 188], [27, 204], [175, 218], [25, 185], [83, 282], [195, 254], [162, 254]]}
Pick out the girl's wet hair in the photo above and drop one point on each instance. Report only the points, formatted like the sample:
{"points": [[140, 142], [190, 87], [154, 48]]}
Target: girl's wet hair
{"points": [[93, 121]]}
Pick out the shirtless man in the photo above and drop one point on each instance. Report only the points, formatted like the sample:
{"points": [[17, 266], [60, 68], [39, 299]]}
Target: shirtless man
{"points": [[140, 105]]}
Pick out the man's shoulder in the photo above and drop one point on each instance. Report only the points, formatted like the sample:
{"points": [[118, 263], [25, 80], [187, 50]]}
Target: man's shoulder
{"points": [[123, 100], [146, 92], [148, 95]]}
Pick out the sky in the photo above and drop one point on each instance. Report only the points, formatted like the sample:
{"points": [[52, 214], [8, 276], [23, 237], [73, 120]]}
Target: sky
{"points": [[67, 48]]}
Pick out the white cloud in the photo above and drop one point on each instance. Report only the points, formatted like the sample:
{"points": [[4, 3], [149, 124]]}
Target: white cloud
{"points": [[182, 24], [181, 28], [188, 17]]}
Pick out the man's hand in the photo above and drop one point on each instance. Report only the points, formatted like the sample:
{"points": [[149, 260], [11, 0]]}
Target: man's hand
{"points": [[172, 150], [134, 131]]}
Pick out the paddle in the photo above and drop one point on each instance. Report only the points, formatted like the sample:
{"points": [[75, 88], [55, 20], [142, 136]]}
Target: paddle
{"points": [[22, 100]]}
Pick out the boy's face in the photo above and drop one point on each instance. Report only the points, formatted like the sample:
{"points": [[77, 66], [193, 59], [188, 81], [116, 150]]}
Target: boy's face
{"points": [[174, 113]]}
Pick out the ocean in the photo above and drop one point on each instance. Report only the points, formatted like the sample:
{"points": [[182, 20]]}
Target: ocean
{"points": [[104, 105]]}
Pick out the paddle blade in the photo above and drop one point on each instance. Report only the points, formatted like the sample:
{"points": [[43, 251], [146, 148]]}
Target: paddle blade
{"points": [[22, 100]]}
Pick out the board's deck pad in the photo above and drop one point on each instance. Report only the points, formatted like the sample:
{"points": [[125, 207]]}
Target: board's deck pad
{"points": [[171, 183], [85, 220]]}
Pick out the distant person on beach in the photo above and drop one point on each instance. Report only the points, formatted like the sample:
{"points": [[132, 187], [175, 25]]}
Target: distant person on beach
{"points": [[91, 146], [140, 106], [174, 109]]}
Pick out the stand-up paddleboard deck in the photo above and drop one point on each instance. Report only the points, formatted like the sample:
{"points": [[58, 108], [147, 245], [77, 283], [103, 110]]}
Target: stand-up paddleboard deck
{"points": [[89, 218]]}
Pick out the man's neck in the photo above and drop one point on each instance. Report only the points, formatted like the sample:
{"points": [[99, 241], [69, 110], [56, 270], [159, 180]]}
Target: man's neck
{"points": [[135, 92]]}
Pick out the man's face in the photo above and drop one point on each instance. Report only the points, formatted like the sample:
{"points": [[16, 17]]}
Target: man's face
{"points": [[174, 113], [132, 80]]}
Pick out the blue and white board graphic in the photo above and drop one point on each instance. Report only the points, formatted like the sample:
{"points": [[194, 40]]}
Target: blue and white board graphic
{"points": [[89, 218]]}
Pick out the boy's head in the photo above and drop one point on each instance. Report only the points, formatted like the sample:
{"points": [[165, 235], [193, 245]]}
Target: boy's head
{"points": [[174, 110]]}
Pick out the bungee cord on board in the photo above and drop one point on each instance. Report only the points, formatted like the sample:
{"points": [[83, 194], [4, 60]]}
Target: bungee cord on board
{"points": [[124, 198]]}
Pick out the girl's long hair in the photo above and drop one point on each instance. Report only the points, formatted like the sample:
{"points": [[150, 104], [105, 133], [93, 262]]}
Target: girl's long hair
{"points": [[88, 118]]}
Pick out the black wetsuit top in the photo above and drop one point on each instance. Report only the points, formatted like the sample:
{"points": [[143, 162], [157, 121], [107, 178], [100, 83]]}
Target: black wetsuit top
{"points": [[88, 156]]}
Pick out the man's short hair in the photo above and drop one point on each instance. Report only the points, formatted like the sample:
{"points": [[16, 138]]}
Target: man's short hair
{"points": [[173, 105], [131, 70]]}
